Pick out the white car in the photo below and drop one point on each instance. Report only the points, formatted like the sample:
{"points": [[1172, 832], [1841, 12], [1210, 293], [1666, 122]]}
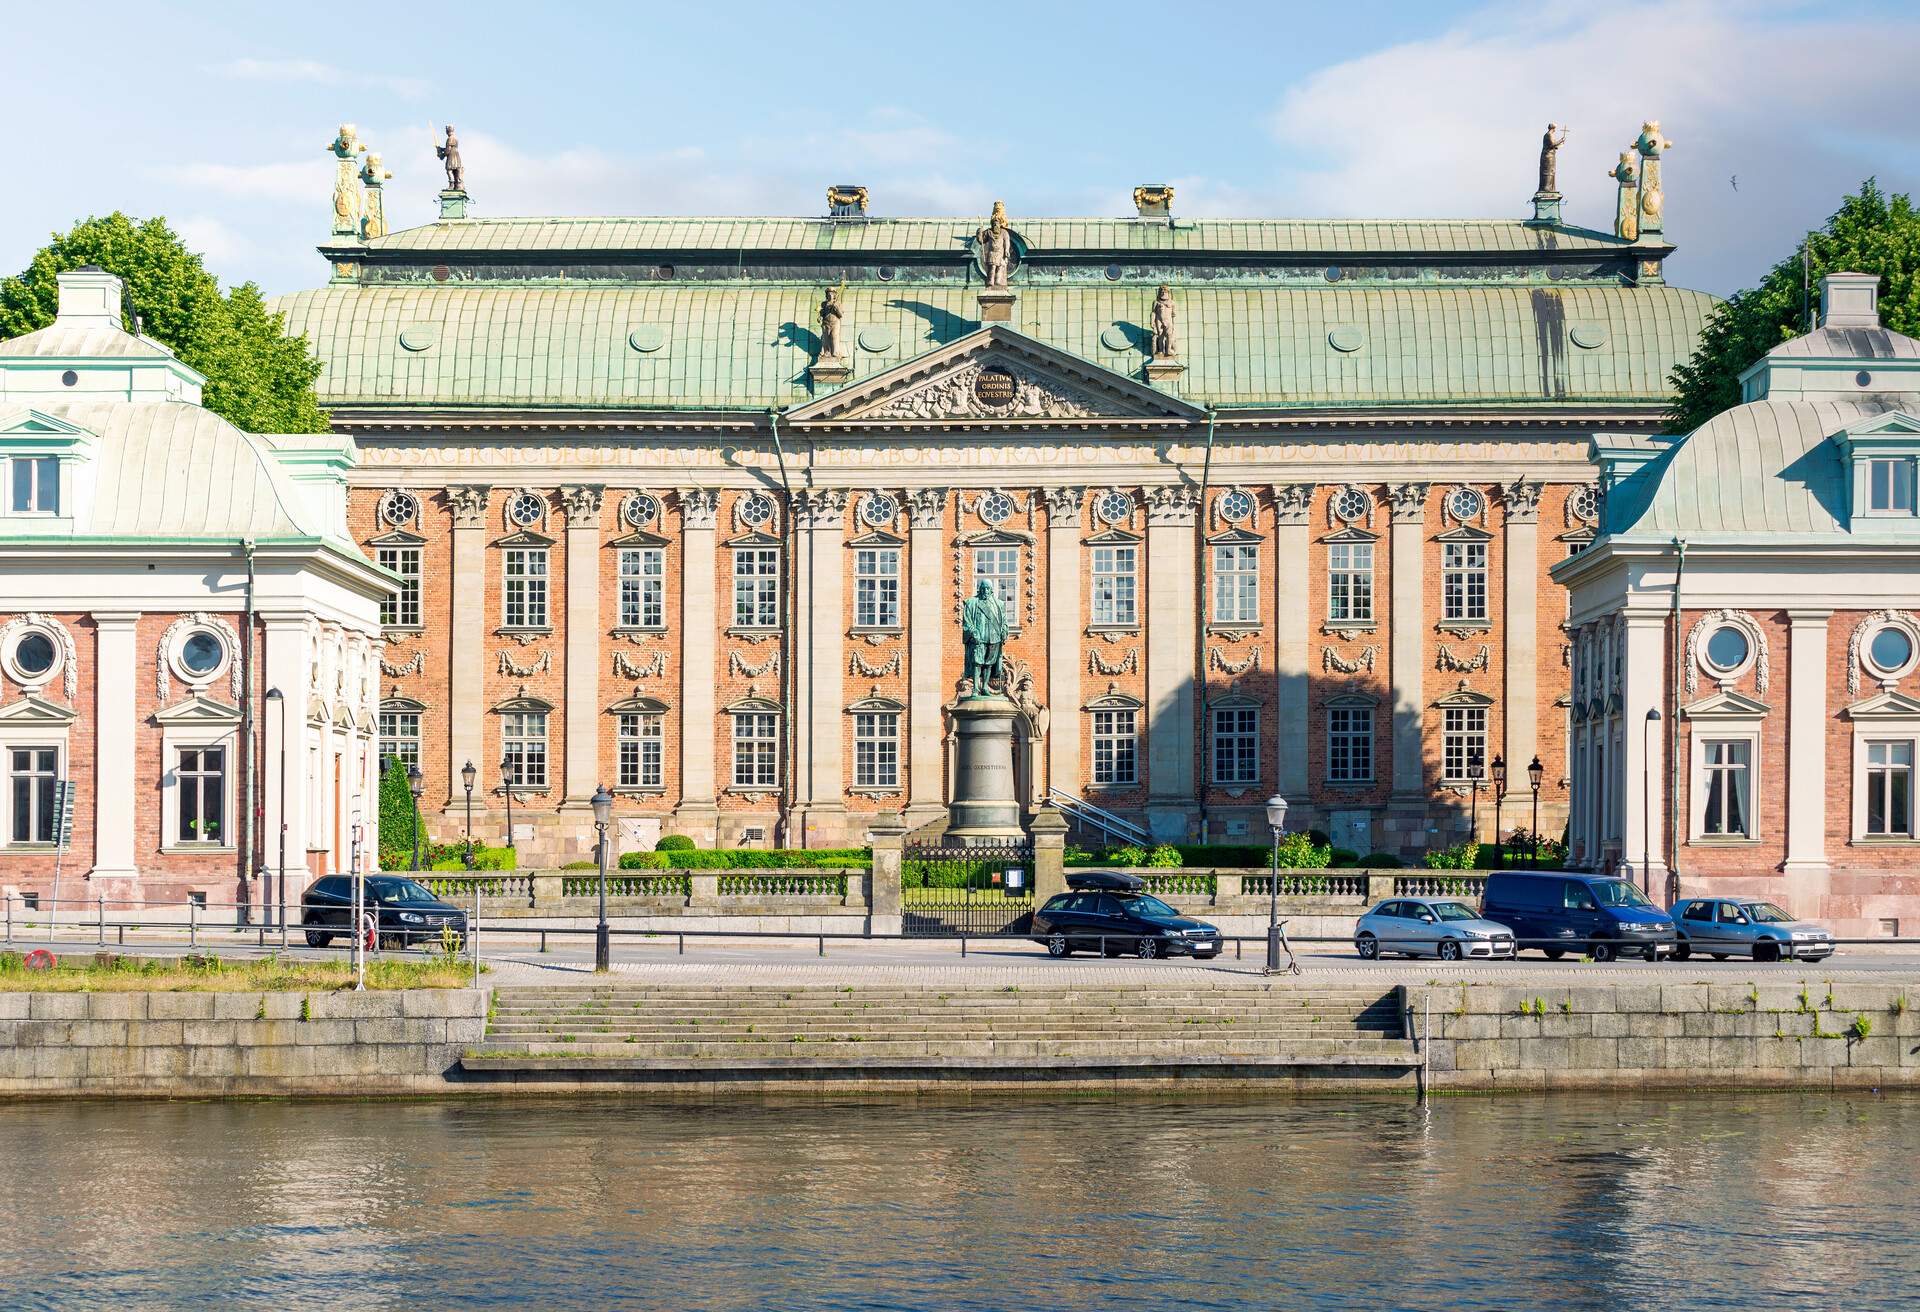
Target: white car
{"points": [[1430, 927]]}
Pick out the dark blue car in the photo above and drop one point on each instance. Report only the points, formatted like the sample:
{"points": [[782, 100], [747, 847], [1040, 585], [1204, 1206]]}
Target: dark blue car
{"points": [[1567, 912], [1106, 912]]}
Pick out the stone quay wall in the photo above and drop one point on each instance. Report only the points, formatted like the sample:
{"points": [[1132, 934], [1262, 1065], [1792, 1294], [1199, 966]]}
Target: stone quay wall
{"points": [[235, 1044], [1805, 1033]]}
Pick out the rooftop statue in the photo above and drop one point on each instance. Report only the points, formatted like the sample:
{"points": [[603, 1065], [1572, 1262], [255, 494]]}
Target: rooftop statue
{"points": [[1550, 143], [830, 316], [1626, 210], [374, 177], [346, 192], [456, 175], [1165, 345], [1652, 145], [983, 626], [996, 248]]}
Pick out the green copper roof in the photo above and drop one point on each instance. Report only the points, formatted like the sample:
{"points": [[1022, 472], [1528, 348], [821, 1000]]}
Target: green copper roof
{"points": [[748, 344], [1264, 236]]}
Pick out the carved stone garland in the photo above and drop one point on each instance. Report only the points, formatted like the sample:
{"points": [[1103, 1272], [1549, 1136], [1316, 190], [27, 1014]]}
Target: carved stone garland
{"points": [[1900, 618], [1099, 664], [739, 666], [70, 669], [653, 669], [539, 665], [1464, 664], [952, 396], [858, 664], [198, 620], [415, 664], [1332, 662], [1220, 662], [1745, 623]]}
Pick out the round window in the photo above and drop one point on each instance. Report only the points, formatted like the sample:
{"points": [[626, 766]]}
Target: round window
{"points": [[1890, 650], [201, 653], [886, 273], [879, 509], [1727, 648], [640, 510], [756, 510], [399, 507], [1114, 507], [1235, 506], [1350, 504], [1584, 504], [525, 509], [1463, 503], [1113, 273], [33, 655], [996, 507]]}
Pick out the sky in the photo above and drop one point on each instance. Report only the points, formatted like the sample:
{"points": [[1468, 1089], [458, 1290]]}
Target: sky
{"points": [[218, 116]]}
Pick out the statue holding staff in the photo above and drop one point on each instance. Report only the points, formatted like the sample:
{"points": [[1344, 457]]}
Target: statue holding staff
{"points": [[983, 625]]}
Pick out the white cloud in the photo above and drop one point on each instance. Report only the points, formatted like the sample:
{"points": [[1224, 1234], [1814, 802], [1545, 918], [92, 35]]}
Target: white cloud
{"points": [[322, 74], [219, 246]]}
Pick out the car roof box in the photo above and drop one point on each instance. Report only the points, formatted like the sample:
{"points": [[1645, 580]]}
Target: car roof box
{"points": [[1106, 881]]}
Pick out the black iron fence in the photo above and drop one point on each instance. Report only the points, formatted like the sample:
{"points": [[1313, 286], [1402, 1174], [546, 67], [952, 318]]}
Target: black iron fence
{"points": [[953, 889]]}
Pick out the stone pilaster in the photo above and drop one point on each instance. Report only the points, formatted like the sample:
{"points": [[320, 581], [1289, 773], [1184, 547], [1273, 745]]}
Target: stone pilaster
{"points": [[821, 651], [1806, 866], [1066, 645], [1172, 676], [289, 656], [926, 630], [1292, 503], [1641, 773], [467, 646], [1407, 660], [116, 667], [1520, 617], [582, 642], [698, 810]]}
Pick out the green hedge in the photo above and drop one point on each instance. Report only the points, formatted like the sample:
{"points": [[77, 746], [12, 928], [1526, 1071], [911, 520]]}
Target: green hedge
{"points": [[951, 872], [448, 858], [749, 859], [674, 843]]}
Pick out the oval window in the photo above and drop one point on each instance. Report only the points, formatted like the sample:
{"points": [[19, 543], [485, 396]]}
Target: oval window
{"points": [[1727, 648], [34, 655], [1890, 649], [201, 653]]}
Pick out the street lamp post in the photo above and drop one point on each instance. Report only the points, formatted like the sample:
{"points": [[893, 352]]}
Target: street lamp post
{"points": [[1646, 800], [416, 784], [602, 819], [275, 695], [467, 772], [1476, 771], [1499, 796], [1276, 820], [506, 782], [1534, 771]]}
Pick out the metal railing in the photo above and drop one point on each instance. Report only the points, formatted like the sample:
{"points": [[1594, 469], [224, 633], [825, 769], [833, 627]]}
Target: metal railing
{"points": [[1096, 817]]}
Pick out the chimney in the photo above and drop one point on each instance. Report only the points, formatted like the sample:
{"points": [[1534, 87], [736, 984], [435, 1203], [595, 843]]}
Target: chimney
{"points": [[846, 200], [90, 297], [1847, 300], [1153, 200]]}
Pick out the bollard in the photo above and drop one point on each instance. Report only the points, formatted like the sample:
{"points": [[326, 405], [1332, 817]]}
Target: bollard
{"points": [[123, 934], [543, 940], [683, 945], [100, 910], [193, 923], [963, 945], [9, 917]]}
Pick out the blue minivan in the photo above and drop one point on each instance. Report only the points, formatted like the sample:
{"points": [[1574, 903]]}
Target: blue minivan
{"points": [[1592, 914]]}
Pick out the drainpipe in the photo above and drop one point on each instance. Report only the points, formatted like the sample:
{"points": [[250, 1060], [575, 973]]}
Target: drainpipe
{"points": [[1673, 722], [1202, 610], [245, 657], [789, 587]]}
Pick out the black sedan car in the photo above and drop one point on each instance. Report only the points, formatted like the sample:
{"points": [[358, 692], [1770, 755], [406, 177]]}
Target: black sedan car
{"points": [[1108, 911], [408, 911]]}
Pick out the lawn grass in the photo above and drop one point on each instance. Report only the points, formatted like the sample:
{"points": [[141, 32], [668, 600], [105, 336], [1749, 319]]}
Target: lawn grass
{"points": [[110, 973]]}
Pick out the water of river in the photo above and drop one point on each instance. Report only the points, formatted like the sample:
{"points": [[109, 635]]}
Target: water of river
{"points": [[1572, 1201]]}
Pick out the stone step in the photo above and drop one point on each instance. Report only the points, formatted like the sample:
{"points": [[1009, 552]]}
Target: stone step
{"points": [[786, 1033], [1038, 1052], [878, 1009]]}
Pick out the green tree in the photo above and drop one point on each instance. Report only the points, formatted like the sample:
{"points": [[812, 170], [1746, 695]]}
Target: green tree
{"points": [[258, 378], [1869, 233], [398, 816]]}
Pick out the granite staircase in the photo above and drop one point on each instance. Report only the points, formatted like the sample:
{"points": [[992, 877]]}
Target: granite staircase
{"points": [[647, 1033]]}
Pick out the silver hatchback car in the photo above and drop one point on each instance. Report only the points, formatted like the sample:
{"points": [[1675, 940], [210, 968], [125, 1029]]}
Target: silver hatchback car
{"points": [[1430, 927], [1723, 927]]}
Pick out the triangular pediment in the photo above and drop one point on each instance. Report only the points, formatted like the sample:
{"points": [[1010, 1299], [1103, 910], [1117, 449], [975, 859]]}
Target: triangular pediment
{"points": [[197, 710], [398, 537], [23, 421], [1726, 705], [402, 704], [523, 538], [37, 710], [639, 538], [994, 373], [1888, 705], [1350, 534]]}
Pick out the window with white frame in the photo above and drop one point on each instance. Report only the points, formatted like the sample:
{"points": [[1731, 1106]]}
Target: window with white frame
{"points": [[400, 738], [1890, 486], [525, 594], [1115, 748], [202, 779], [1236, 583], [1000, 566], [876, 588], [402, 609], [1115, 585], [1728, 766], [876, 749], [642, 751], [32, 773], [1889, 786], [756, 587], [1350, 582], [1236, 744], [756, 749], [34, 485], [643, 588], [1463, 583], [1463, 740], [1350, 744], [523, 749]]}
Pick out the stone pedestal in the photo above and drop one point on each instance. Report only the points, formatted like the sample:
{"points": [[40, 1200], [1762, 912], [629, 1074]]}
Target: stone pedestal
{"points": [[888, 838], [453, 204], [1164, 368], [996, 306], [830, 370], [1049, 830], [1546, 208], [985, 808]]}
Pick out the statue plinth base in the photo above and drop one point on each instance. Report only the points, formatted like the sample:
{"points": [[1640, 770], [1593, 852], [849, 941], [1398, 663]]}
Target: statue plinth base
{"points": [[985, 808], [830, 369], [1164, 368], [453, 204], [1546, 207], [996, 306]]}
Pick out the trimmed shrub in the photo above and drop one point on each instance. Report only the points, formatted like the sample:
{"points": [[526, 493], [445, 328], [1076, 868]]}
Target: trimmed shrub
{"points": [[1341, 858], [1320, 837], [1164, 857], [747, 858], [1229, 855], [1298, 851], [674, 843], [446, 858], [1126, 855], [1461, 856], [581, 865], [1381, 861], [398, 816]]}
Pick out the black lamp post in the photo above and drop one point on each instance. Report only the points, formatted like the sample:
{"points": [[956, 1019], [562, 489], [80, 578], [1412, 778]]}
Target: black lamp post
{"points": [[467, 772], [1276, 821], [506, 781], [1499, 796], [1477, 772], [416, 784], [602, 818], [1534, 771]]}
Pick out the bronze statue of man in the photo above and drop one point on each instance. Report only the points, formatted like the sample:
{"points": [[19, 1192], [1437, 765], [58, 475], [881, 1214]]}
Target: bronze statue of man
{"points": [[1550, 143], [1165, 347], [456, 175], [830, 316], [983, 626]]}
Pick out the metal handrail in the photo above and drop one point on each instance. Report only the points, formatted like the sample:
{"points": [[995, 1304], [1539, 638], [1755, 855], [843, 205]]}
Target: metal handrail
{"points": [[1099, 818]]}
